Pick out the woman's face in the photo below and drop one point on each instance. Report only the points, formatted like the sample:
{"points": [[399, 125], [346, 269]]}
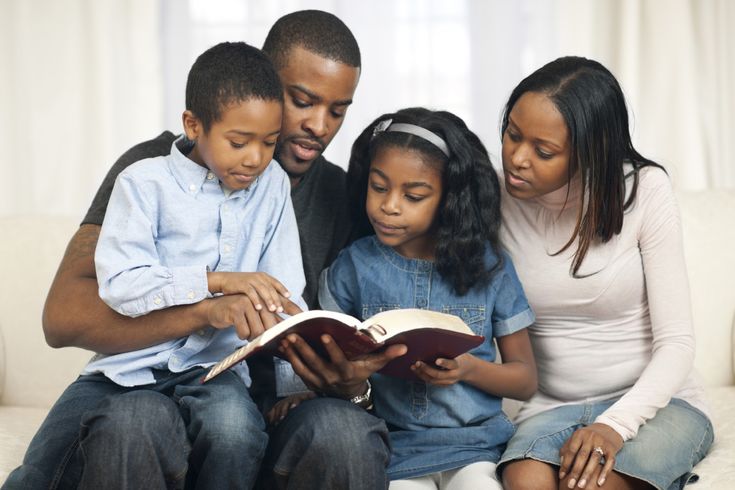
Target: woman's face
{"points": [[536, 148]]}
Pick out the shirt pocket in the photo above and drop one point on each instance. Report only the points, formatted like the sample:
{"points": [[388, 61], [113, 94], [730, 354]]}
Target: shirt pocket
{"points": [[473, 315], [369, 310]]}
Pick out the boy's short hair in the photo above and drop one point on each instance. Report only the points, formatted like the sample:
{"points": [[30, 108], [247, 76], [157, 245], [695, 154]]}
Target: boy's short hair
{"points": [[320, 32], [226, 73]]}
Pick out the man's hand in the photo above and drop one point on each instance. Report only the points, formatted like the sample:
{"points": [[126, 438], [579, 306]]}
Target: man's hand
{"points": [[239, 310], [337, 376]]}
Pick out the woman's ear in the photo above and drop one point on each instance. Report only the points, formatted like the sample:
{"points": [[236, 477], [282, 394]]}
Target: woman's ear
{"points": [[192, 125]]}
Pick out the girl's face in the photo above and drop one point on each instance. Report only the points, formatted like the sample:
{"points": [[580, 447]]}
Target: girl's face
{"points": [[403, 197], [535, 148], [238, 147]]}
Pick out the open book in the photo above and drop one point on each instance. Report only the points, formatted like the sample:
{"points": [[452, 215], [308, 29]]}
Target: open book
{"points": [[427, 334]]}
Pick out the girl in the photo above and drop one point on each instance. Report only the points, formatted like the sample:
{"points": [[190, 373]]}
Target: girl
{"points": [[594, 231], [427, 198]]}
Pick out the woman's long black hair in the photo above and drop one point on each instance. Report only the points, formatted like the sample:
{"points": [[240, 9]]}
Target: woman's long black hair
{"points": [[592, 104], [468, 218]]}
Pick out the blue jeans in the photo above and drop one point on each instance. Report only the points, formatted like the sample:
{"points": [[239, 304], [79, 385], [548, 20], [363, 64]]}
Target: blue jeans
{"points": [[176, 433], [662, 454], [327, 443]]}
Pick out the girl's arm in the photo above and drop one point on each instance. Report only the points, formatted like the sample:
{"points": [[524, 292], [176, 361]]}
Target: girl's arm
{"points": [[514, 378]]}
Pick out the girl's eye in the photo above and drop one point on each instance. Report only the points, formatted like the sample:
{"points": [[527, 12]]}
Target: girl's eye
{"points": [[300, 103], [377, 187], [237, 145], [414, 198], [513, 136]]}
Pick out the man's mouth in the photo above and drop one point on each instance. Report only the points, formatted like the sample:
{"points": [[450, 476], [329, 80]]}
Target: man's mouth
{"points": [[306, 149]]}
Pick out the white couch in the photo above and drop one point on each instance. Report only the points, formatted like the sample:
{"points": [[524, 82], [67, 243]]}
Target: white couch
{"points": [[32, 375]]}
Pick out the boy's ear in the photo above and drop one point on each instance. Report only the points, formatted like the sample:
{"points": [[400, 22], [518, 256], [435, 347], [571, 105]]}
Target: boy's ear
{"points": [[192, 125]]}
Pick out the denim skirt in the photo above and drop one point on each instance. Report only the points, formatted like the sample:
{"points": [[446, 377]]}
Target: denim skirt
{"points": [[663, 453]]}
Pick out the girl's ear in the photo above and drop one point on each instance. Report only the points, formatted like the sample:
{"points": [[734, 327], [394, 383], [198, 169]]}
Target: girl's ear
{"points": [[192, 125]]}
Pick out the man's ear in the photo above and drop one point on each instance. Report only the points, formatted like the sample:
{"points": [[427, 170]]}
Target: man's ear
{"points": [[192, 125]]}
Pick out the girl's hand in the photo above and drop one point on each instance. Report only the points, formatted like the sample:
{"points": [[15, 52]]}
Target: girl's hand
{"points": [[447, 372], [258, 286], [282, 407], [581, 459]]}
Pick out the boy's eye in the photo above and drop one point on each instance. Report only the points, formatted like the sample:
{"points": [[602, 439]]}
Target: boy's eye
{"points": [[270, 143], [237, 145]]}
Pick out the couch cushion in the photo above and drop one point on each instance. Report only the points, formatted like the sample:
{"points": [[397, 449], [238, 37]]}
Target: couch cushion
{"points": [[35, 374], [708, 245], [717, 471], [17, 427]]}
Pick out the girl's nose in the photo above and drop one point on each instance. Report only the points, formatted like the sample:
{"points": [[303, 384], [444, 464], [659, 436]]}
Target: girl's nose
{"points": [[390, 205]]}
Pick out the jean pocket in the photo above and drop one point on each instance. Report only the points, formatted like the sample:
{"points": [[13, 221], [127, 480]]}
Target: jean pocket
{"points": [[472, 315]]}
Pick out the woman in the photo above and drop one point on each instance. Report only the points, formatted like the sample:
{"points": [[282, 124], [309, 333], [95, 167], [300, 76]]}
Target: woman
{"points": [[594, 232]]}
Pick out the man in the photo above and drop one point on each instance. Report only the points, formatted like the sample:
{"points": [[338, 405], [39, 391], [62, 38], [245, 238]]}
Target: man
{"points": [[326, 442]]}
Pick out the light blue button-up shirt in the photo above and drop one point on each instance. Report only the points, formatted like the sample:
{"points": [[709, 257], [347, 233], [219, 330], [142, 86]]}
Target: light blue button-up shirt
{"points": [[167, 223]]}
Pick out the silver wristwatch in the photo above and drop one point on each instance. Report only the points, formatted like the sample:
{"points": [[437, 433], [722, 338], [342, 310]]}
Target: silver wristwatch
{"points": [[365, 400]]}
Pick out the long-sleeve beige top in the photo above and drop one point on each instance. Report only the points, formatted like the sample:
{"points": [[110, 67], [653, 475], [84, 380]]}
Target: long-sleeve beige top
{"points": [[625, 327]]}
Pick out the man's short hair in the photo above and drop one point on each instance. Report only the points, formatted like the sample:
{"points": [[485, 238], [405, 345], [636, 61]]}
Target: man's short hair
{"points": [[320, 32], [229, 73]]}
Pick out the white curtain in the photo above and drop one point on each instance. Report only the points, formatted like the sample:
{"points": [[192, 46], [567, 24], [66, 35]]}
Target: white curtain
{"points": [[80, 81], [676, 62]]}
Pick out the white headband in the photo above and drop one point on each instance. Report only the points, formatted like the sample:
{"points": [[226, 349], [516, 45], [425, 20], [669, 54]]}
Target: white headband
{"points": [[387, 126]]}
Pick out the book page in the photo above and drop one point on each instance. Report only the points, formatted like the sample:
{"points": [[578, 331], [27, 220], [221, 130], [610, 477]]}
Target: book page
{"points": [[387, 324]]}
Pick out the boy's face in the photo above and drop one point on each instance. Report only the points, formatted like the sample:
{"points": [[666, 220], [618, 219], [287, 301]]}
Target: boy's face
{"points": [[238, 147], [317, 93]]}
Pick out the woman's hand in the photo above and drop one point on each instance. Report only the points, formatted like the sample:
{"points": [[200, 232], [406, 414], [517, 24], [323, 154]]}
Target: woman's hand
{"points": [[584, 452], [282, 407], [447, 372], [258, 286]]}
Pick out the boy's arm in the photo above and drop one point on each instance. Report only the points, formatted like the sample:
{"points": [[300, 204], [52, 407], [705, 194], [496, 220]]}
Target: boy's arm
{"points": [[74, 315]]}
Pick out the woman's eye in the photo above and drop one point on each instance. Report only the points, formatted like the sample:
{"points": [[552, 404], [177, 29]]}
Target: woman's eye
{"points": [[544, 155], [513, 136]]}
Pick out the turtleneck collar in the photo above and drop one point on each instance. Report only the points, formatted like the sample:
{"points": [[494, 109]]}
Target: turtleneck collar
{"points": [[566, 197]]}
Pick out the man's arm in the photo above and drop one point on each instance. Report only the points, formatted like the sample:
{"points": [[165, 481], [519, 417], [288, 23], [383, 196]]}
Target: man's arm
{"points": [[74, 315]]}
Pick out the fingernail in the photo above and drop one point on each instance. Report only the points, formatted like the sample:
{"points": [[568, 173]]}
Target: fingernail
{"points": [[293, 405], [279, 309], [287, 294], [258, 307], [582, 483], [562, 474], [572, 482], [601, 481]]}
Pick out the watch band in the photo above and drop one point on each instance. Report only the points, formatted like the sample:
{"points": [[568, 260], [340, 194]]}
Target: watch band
{"points": [[366, 399]]}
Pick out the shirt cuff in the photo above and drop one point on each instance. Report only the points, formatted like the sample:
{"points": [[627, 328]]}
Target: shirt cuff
{"points": [[513, 324]]}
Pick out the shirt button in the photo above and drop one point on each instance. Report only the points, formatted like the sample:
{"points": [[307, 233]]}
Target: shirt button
{"points": [[192, 187], [190, 295], [157, 300], [422, 303], [210, 175], [225, 207], [227, 249]]}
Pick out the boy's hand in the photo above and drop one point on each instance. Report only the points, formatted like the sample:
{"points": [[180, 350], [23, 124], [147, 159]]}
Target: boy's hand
{"points": [[282, 407], [239, 311], [258, 286], [447, 371]]}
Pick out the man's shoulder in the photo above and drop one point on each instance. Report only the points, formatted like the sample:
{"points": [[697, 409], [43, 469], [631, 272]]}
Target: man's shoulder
{"points": [[158, 146]]}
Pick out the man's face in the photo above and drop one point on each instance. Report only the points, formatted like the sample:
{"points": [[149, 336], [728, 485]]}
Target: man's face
{"points": [[317, 93]]}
